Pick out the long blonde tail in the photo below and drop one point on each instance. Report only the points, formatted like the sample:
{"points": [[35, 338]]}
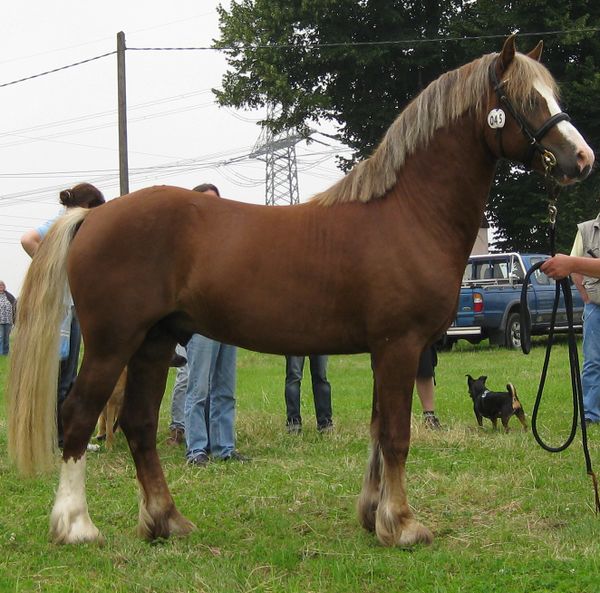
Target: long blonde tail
{"points": [[34, 358]]}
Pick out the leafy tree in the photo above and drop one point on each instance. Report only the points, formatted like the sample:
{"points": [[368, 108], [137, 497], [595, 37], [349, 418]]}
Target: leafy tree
{"points": [[354, 77], [517, 204], [357, 63]]}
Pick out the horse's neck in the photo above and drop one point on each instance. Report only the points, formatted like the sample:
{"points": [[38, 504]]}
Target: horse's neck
{"points": [[447, 183]]}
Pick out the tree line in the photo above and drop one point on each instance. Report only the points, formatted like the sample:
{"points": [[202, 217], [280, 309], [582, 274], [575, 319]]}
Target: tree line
{"points": [[357, 63]]}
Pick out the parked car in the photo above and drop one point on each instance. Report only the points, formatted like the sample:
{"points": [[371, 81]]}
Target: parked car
{"points": [[489, 303]]}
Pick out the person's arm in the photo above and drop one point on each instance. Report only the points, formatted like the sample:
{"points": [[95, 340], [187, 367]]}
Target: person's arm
{"points": [[560, 266], [31, 241]]}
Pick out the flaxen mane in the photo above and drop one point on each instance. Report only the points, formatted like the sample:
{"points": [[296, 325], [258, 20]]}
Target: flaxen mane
{"points": [[443, 101]]}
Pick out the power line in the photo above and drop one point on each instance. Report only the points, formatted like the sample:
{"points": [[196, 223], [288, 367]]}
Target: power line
{"points": [[58, 69], [308, 47], [109, 178], [311, 46], [49, 137], [107, 113]]}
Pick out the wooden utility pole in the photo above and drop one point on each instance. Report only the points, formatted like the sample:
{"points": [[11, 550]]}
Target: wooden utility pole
{"points": [[121, 83]]}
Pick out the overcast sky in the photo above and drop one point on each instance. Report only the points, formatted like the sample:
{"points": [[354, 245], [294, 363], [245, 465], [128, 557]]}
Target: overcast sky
{"points": [[61, 128]]}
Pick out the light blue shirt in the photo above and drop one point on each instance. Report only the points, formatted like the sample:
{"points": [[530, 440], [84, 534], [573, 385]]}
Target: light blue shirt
{"points": [[45, 227]]}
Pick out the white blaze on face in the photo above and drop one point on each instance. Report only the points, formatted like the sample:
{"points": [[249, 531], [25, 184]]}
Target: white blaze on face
{"points": [[566, 128]]}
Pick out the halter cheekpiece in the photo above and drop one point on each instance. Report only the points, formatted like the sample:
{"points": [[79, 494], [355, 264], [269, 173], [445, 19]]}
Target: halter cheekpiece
{"points": [[534, 136]]}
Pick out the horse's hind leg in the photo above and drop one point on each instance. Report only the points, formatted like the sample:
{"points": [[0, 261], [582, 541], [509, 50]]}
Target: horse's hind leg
{"points": [[394, 373], [369, 495], [146, 379], [70, 522]]}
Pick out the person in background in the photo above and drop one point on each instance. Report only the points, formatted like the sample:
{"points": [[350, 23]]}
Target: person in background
{"points": [[177, 426], [583, 265], [294, 367], [209, 409], [8, 313], [425, 385], [83, 195]]}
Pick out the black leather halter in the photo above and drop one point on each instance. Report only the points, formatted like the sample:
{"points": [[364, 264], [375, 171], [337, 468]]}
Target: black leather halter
{"points": [[533, 136]]}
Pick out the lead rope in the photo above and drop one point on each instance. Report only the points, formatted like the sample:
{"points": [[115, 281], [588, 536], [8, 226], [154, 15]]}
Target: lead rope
{"points": [[577, 391]]}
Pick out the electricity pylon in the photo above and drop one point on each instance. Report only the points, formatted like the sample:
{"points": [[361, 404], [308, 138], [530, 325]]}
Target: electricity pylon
{"points": [[281, 170]]}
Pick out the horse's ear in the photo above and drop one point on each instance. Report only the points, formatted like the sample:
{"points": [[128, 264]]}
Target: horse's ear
{"points": [[536, 52], [507, 54]]}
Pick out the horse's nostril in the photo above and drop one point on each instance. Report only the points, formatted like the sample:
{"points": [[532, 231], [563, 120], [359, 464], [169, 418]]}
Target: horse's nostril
{"points": [[585, 159]]}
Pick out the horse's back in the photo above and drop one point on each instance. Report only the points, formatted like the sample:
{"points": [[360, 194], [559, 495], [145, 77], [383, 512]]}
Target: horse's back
{"points": [[232, 270]]}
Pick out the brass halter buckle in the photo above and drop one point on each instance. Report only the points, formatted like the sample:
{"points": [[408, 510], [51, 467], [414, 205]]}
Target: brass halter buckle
{"points": [[549, 161], [552, 212]]}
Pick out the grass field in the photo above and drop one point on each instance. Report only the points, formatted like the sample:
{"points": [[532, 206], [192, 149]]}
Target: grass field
{"points": [[507, 516]]}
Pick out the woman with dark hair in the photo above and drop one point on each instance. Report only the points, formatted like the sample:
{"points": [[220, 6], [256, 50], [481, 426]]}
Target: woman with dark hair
{"points": [[82, 195]]}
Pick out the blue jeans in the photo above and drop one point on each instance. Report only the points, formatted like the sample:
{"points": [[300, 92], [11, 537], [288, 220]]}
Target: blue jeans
{"points": [[294, 367], [590, 375], [178, 394], [4, 337], [211, 376], [68, 371]]}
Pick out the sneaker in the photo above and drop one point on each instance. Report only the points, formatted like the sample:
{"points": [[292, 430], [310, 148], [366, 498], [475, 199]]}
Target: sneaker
{"points": [[236, 456], [325, 428], [199, 460], [294, 427], [176, 437], [431, 421]]}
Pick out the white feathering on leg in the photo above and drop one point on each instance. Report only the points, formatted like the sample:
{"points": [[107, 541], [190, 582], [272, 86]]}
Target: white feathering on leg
{"points": [[70, 522]]}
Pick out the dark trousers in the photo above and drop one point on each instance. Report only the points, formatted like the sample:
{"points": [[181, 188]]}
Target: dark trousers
{"points": [[294, 367], [67, 373]]}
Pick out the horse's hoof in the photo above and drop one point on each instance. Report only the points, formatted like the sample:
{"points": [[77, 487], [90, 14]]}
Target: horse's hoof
{"points": [[76, 533], [414, 533], [180, 526], [71, 524], [404, 534], [366, 514], [171, 523]]}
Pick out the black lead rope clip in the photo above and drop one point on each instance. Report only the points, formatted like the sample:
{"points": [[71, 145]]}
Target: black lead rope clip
{"points": [[576, 388]]}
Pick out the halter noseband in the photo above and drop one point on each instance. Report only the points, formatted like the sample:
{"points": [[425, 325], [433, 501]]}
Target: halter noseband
{"points": [[533, 136]]}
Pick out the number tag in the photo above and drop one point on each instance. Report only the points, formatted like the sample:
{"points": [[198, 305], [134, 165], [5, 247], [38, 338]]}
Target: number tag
{"points": [[496, 118]]}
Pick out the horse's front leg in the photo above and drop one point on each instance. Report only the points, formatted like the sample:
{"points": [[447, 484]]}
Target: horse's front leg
{"points": [[146, 379], [369, 495], [395, 368]]}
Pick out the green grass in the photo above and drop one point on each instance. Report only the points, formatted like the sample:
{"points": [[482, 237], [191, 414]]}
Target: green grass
{"points": [[507, 516]]}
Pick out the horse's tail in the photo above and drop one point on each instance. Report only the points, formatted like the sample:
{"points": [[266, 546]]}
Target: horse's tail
{"points": [[34, 359]]}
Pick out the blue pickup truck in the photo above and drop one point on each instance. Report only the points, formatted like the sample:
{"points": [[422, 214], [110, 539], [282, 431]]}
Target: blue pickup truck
{"points": [[489, 302]]}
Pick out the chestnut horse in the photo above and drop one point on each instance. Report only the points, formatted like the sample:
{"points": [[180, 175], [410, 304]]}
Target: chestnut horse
{"points": [[344, 273]]}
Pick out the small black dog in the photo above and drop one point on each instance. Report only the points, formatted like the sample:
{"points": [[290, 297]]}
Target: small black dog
{"points": [[495, 404]]}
